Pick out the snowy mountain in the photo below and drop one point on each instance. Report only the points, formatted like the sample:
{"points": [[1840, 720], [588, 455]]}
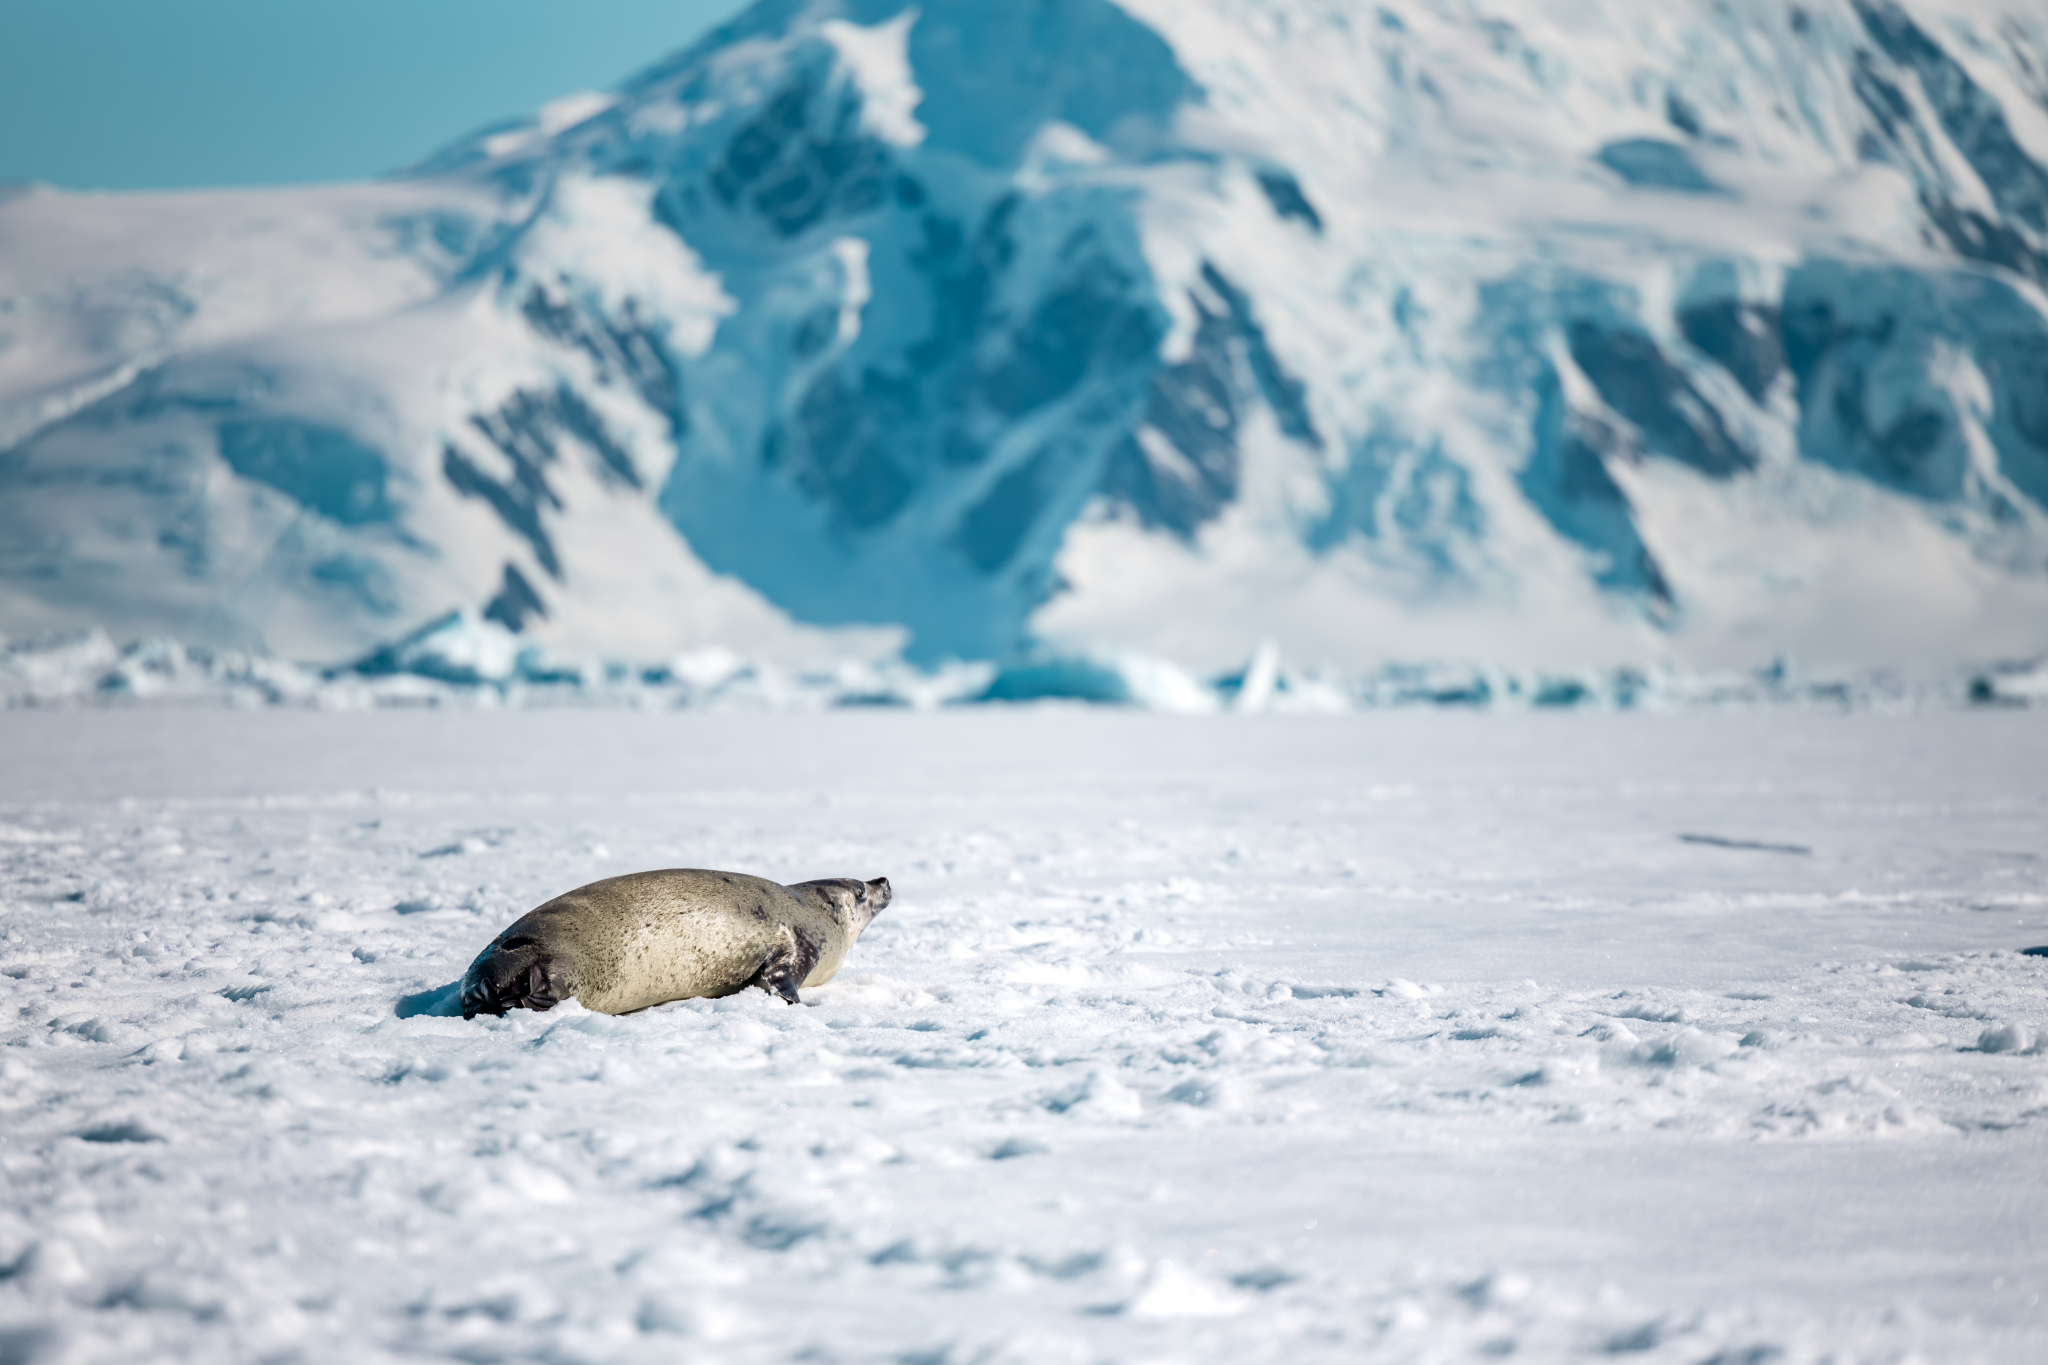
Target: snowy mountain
{"points": [[1586, 331]]}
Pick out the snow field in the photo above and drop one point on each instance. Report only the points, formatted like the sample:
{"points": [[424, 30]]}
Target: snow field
{"points": [[1416, 1037]]}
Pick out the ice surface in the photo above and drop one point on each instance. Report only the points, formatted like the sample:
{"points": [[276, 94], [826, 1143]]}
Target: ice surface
{"points": [[466, 660], [1414, 1036]]}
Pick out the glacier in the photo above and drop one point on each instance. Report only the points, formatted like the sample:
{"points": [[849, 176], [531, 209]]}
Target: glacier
{"points": [[865, 331]]}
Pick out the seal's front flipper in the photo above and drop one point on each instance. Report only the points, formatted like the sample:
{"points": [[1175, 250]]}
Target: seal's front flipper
{"points": [[789, 962]]}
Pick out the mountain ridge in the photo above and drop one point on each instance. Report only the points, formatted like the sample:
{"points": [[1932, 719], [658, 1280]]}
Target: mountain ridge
{"points": [[859, 325]]}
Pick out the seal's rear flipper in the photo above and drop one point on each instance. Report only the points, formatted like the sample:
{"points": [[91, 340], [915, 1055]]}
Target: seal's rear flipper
{"points": [[510, 974], [540, 989], [789, 962]]}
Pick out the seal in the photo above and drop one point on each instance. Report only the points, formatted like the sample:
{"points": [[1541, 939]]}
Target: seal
{"points": [[625, 943]]}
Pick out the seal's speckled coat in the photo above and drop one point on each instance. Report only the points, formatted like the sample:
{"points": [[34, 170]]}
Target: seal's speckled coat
{"points": [[625, 943]]}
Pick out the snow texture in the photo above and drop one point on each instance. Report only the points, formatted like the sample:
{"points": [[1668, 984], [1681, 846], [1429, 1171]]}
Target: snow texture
{"points": [[1603, 333], [1416, 1037]]}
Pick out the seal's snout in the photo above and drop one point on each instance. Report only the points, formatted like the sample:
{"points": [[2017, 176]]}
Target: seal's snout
{"points": [[865, 900]]}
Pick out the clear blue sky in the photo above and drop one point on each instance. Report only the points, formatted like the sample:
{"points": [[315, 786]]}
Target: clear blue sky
{"points": [[147, 94]]}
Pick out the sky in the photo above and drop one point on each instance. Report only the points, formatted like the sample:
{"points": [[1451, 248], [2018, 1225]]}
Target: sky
{"points": [[155, 94]]}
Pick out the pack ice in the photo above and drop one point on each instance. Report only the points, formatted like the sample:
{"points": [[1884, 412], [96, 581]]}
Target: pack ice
{"points": [[1596, 332]]}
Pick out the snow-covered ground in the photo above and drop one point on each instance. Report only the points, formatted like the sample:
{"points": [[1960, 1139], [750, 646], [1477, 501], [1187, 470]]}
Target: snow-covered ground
{"points": [[1402, 1036]]}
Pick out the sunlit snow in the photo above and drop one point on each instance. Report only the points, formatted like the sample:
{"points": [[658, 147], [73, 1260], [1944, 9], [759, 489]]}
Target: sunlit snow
{"points": [[878, 58], [1404, 1037]]}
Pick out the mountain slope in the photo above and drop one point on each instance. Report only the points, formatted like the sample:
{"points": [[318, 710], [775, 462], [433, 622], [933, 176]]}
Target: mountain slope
{"points": [[1704, 331]]}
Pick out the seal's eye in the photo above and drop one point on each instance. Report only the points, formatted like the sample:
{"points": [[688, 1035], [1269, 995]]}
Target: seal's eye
{"points": [[860, 895]]}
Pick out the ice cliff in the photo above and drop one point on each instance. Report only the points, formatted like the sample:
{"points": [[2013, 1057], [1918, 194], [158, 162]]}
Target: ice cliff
{"points": [[1560, 333]]}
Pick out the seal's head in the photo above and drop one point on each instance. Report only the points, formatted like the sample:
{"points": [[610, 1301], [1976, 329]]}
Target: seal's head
{"points": [[854, 903]]}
